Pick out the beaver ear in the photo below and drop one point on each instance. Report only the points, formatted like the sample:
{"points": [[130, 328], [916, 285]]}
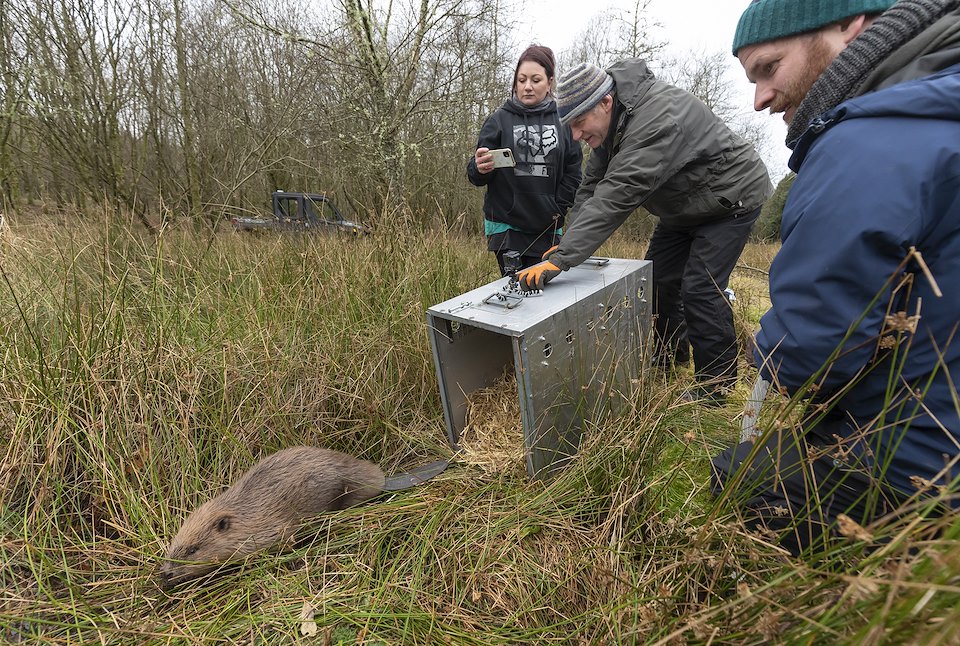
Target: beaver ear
{"points": [[223, 523]]}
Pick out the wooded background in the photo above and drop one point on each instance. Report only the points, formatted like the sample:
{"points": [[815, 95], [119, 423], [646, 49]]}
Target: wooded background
{"points": [[197, 109]]}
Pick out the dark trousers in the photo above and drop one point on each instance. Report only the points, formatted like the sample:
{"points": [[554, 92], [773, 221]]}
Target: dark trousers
{"points": [[796, 487], [691, 268]]}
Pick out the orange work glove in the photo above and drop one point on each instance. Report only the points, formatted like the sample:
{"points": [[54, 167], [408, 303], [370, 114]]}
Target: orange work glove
{"points": [[537, 276], [546, 254]]}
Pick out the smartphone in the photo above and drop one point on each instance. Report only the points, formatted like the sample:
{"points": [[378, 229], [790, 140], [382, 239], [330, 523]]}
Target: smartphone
{"points": [[503, 158]]}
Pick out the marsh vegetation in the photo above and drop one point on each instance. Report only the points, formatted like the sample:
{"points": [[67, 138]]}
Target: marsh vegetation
{"points": [[143, 373]]}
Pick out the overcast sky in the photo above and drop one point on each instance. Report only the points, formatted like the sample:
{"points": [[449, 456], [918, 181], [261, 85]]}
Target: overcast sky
{"points": [[685, 25]]}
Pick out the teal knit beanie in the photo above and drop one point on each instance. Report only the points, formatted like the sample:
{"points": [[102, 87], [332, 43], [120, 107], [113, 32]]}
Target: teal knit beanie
{"points": [[766, 20]]}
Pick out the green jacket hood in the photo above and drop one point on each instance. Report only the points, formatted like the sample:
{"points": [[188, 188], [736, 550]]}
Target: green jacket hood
{"points": [[632, 80]]}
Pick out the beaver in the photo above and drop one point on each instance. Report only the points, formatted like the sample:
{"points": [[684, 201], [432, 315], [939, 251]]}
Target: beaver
{"points": [[264, 508]]}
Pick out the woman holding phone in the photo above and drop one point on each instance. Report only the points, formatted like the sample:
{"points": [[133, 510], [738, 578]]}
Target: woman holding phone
{"points": [[527, 200]]}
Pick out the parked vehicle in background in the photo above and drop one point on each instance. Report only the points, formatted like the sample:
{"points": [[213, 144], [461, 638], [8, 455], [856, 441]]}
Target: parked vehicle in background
{"points": [[295, 211]]}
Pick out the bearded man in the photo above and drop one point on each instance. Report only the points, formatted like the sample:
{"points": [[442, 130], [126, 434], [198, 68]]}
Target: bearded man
{"points": [[860, 330]]}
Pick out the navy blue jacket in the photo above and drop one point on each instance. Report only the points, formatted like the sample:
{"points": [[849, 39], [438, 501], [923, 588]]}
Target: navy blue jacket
{"points": [[878, 175]]}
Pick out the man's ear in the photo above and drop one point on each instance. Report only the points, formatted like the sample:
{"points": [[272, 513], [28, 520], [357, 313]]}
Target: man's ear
{"points": [[607, 102], [853, 26]]}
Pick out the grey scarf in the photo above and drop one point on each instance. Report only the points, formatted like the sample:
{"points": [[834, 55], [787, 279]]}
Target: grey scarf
{"points": [[844, 77], [529, 109]]}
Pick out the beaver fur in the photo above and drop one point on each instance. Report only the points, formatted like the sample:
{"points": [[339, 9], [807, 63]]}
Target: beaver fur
{"points": [[265, 506]]}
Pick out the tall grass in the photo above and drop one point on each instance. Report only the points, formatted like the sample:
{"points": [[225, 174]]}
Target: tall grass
{"points": [[141, 375]]}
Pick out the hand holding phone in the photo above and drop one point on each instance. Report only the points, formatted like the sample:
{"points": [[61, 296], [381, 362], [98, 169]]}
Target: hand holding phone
{"points": [[488, 160]]}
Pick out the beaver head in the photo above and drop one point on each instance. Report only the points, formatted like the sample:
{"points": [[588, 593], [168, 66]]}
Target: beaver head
{"points": [[211, 536]]}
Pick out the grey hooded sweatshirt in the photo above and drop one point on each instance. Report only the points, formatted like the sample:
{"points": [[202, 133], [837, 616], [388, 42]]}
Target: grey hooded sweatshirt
{"points": [[666, 152]]}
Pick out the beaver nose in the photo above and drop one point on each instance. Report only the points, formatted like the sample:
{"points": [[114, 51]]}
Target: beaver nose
{"points": [[166, 582]]}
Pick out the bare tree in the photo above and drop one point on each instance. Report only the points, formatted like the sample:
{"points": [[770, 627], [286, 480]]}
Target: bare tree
{"points": [[14, 76], [193, 107], [79, 94], [705, 76], [417, 67], [614, 35], [251, 94], [188, 143]]}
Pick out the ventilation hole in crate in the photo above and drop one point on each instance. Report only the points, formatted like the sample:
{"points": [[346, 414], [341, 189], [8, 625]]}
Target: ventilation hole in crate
{"points": [[547, 350], [454, 326], [569, 336]]}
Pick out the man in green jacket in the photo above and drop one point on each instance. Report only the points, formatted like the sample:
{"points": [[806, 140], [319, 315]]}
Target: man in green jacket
{"points": [[659, 147]]}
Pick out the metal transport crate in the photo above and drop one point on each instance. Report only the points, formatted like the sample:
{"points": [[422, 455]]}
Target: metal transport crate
{"points": [[576, 350]]}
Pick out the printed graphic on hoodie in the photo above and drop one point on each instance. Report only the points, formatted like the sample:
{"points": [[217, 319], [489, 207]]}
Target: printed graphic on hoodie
{"points": [[532, 144]]}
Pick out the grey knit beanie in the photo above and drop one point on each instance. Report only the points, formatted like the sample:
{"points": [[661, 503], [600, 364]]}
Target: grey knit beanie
{"points": [[765, 20], [580, 89]]}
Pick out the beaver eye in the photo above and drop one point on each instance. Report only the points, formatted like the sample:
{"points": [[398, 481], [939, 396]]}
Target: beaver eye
{"points": [[191, 550]]}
